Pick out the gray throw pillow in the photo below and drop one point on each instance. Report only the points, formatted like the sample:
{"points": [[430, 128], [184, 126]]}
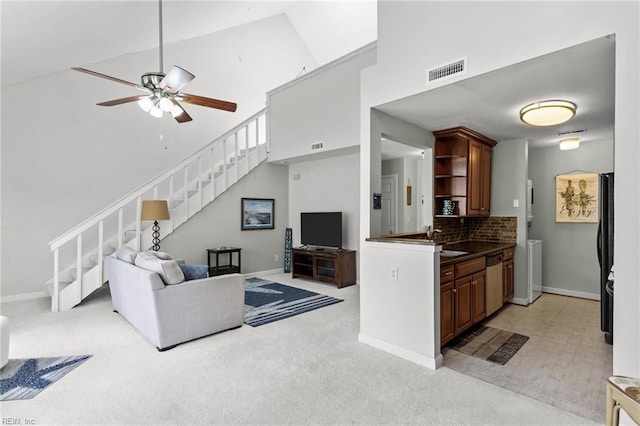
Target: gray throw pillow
{"points": [[168, 270], [126, 254], [161, 255]]}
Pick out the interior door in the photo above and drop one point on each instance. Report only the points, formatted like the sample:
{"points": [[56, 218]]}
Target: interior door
{"points": [[389, 204]]}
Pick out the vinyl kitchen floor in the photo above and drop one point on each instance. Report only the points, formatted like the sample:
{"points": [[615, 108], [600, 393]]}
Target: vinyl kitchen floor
{"points": [[565, 362]]}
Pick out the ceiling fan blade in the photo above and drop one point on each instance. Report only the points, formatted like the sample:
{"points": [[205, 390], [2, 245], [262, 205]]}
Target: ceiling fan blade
{"points": [[108, 77], [183, 117], [176, 79], [208, 102], [121, 100]]}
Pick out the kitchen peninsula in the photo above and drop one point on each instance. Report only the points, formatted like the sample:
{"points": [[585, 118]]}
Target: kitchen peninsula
{"points": [[476, 278]]}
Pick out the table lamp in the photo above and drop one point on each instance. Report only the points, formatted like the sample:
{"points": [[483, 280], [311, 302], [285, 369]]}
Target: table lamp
{"points": [[155, 210]]}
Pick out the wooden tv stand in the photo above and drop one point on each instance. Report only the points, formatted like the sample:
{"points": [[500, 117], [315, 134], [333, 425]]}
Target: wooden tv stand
{"points": [[328, 265]]}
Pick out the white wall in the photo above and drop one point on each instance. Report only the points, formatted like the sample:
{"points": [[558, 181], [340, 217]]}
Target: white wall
{"points": [[322, 106], [491, 35], [329, 184], [569, 251], [399, 316], [64, 158], [508, 183]]}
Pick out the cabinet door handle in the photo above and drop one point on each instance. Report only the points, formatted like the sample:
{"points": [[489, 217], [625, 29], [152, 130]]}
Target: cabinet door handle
{"points": [[448, 273], [455, 290]]}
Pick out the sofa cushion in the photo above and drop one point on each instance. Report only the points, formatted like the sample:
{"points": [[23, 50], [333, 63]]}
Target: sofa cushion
{"points": [[168, 270], [161, 255], [126, 254], [194, 272]]}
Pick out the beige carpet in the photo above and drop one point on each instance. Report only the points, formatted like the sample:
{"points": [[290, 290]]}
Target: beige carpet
{"points": [[307, 369], [565, 362]]}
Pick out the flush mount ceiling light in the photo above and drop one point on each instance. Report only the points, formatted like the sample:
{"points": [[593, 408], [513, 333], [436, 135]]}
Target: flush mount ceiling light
{"points": [[548, 113], [569, 143]]}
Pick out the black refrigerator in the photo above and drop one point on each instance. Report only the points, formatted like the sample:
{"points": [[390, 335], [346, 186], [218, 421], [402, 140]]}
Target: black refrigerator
{"points": [[605, 255]]}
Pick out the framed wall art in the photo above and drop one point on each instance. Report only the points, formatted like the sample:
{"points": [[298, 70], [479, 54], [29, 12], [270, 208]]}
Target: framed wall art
{"points": [[577, 198], [257, 213]]}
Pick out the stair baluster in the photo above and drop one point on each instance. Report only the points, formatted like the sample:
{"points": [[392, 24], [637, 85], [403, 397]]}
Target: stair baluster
{"points": [[116, 223]]}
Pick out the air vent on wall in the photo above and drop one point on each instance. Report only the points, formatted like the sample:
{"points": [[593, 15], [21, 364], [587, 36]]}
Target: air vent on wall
{"points": [[317, 145], [571, 132], [454, 68]]}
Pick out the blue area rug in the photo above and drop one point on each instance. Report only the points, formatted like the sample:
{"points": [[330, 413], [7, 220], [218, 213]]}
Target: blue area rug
{"points": [[268, 301], [25, 378]]}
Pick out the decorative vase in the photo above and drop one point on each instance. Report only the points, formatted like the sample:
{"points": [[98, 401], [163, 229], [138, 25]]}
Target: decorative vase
{"points": [[448, 206]]}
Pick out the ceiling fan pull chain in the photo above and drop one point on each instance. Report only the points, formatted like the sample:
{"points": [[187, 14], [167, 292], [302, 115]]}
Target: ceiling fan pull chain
{"points": [[160, 27]]}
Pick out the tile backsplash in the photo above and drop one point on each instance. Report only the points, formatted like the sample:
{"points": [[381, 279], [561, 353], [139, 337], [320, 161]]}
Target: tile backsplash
{"points": [[492, 228]]}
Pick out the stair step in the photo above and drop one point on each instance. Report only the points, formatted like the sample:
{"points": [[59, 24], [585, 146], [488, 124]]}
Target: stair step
{"points": [[68, 297], [84, 270], [61, 285]]}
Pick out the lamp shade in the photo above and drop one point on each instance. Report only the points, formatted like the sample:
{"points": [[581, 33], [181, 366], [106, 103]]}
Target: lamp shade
{"points": [[154, 210], [548, 113]]}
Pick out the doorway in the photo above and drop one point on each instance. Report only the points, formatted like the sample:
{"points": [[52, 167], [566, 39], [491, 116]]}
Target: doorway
{"points": [[388, 224]]}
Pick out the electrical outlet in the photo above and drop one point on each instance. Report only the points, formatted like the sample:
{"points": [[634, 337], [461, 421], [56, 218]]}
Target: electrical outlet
{"points": [[277, 257], [394, 273]]}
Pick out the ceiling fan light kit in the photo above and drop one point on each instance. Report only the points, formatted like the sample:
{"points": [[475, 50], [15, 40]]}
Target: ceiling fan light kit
{"points": [[163, 91], [548, 113]]}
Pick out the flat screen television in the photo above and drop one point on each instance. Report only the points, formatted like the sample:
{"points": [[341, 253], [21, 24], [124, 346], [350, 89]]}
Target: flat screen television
{"points": [[323, 229]]}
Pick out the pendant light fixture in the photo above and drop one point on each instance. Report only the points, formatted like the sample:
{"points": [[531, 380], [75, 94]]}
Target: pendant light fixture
{"points": [[548, 113]]}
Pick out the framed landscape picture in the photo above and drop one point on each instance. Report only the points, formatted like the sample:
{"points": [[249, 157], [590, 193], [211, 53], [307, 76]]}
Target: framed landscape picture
{"points": [[577, 198], [257, 213]]}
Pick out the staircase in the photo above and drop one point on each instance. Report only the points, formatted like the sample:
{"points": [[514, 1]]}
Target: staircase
{"points": [[188, 186]]}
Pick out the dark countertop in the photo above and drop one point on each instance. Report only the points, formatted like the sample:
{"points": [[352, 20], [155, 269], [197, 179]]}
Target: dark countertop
{"points": [[474, 248]]}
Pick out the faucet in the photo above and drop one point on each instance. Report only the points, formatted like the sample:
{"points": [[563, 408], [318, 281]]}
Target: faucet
{"points": [[431, 233]]}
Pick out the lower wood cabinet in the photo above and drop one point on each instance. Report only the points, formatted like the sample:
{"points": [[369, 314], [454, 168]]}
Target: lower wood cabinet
{"points": [[507, 274], [470, 305], [462, 300], [447, 312]]}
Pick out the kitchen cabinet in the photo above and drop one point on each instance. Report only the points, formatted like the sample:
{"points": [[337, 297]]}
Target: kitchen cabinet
{"points": [[462, 172], [507, 275], [447, 304], [462, 297]]}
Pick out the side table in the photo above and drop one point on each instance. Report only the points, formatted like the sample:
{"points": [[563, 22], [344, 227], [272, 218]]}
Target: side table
{"points": [[223, 268]]}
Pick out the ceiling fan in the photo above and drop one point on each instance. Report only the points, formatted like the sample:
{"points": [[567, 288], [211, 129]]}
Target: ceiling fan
{"points": [[162, 91]]}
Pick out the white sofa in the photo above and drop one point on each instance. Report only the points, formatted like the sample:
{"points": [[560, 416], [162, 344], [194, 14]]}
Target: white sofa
{"points": [[168, 315]]}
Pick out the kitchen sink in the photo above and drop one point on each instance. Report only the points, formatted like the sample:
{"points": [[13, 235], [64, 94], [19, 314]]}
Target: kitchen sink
{"points": [[452, 253]]}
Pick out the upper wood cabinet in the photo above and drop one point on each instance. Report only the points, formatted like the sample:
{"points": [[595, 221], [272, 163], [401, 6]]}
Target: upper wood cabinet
{"points": [[462, 172]]}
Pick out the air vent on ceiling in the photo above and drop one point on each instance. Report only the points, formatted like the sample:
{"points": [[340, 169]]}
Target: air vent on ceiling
{"points": [[317, 145], [571, 132], [452, 69]]}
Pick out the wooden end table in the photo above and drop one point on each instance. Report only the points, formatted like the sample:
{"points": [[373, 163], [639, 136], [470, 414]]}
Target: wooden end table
{"points": [[223, 268]]}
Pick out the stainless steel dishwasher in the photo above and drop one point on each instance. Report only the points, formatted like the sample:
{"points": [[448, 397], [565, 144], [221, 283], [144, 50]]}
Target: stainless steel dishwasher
{"points": [[494, 283]]}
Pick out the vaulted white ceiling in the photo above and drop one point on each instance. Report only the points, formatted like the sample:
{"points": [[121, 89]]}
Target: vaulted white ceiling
{"points": [[44, 37]]}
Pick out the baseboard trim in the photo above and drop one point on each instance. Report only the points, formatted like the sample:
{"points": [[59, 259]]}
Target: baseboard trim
{"points": [[23, 296], [425, 361], [519, 301], [572, 293], [267, 272]]}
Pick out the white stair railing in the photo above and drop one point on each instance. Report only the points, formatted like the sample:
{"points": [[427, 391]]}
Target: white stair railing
{"points": [[188, 186]]}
